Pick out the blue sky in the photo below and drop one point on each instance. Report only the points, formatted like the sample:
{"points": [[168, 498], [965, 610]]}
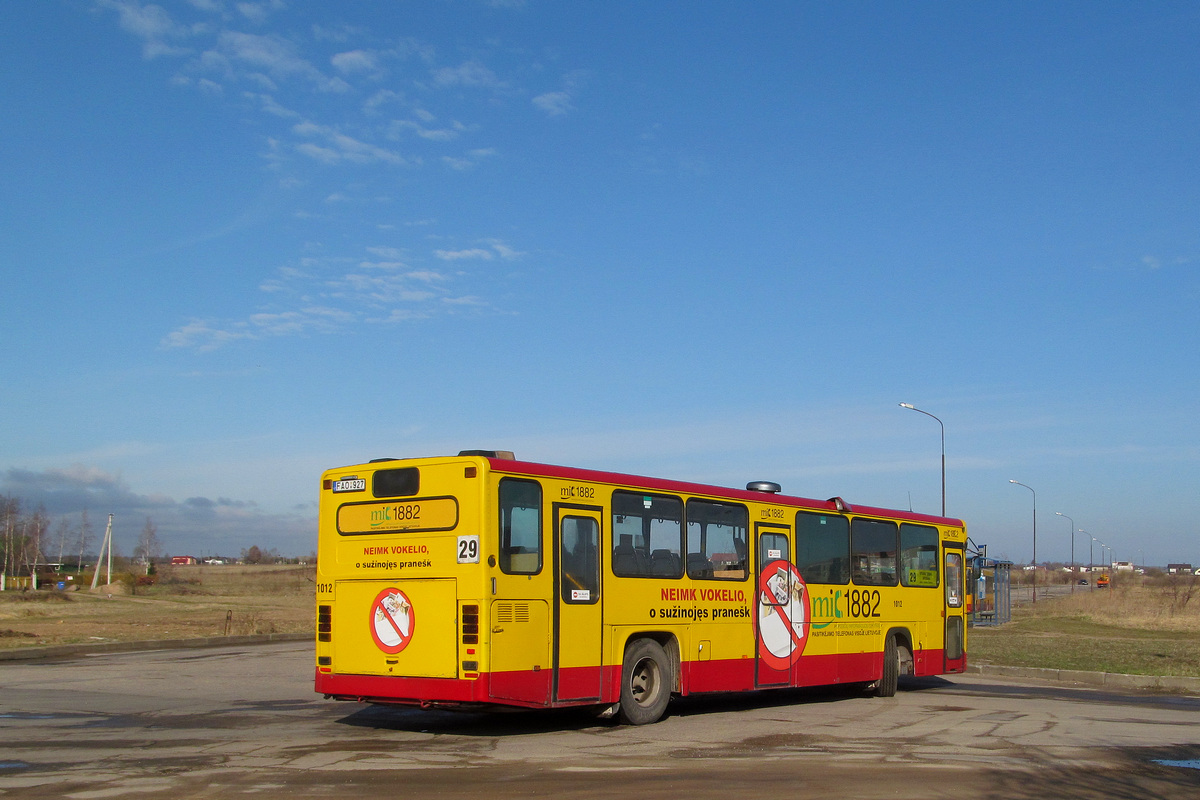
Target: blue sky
{"points": [[246, 241]]}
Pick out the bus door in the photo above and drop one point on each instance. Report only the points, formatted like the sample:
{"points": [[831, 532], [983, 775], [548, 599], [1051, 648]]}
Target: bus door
{"points": [[779, 608], [577, 608], [955, 608]]}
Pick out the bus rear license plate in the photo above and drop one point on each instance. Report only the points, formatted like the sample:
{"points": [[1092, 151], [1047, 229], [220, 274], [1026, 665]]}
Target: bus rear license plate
{"points": [[350, 485]]}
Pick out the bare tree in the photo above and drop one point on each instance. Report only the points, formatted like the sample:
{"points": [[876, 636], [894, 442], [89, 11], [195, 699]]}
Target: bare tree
{"points": [[148, 547], [12, 517], [85, 537], [35, 531], [63, 529]]}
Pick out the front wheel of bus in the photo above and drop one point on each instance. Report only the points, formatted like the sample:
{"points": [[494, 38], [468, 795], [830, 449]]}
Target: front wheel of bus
{"points": [[646, 681]]}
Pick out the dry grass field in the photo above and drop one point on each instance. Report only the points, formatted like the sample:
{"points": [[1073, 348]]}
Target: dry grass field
{"points": [[1137, 627], [186, 602]]}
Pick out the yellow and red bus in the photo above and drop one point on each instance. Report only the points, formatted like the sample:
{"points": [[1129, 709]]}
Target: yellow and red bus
{"points": [[477, 580]]}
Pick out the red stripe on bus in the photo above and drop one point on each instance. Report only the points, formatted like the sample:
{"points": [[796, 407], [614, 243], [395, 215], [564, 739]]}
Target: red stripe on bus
{"points": [[697, 677], [642, 483]]}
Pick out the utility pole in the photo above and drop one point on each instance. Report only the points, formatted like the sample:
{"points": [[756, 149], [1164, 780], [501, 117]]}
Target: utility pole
{"points": [[107, 544]]}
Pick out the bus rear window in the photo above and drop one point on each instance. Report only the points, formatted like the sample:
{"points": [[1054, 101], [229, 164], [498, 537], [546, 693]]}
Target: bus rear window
{"points": [[403, 482]]}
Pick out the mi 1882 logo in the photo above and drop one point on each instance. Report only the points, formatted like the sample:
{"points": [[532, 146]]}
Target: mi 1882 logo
{"points": [[840, 604]]}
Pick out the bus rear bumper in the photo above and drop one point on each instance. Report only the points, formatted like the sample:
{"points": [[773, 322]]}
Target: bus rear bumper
{"points": [[421, 692]]}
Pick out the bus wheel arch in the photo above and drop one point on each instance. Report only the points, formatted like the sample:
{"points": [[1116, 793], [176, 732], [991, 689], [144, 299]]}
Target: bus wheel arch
{"points": [[649, 674]]}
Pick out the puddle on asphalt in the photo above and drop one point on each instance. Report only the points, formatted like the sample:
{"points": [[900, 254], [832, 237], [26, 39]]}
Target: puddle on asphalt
{"points": [[1191, 763], [31, 715], [13, 765]]}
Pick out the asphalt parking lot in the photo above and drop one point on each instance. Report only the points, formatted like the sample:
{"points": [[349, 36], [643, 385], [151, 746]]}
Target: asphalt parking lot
{"points": [[243, 720]]}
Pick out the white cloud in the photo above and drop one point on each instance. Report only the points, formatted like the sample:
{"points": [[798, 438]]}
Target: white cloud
{"points": [[326, 295], [270, 106], [151, 24], [344, 148], [201, 335], [258, 12], [323, 154], [504, 251], [386, 252], [554, 103], [433, 134], [355, 61], [272, 53], [470, 73], [381, 98], [459, 255], [473, 158], [260, 56]]}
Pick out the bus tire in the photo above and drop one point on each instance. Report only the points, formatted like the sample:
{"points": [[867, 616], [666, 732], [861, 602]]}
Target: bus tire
{"points": [[646, 681], [886, 685]]}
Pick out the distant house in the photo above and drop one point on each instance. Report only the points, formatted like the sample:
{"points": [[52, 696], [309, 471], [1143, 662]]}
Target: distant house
{"points": [[1179, 569], [1123, 566], [184, 560]]}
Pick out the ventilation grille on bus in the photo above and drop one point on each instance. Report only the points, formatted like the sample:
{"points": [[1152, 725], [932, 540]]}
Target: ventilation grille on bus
{"points": [[512, 612]]}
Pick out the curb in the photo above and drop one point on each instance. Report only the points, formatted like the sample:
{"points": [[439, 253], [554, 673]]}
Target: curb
{"points": [[1107, 680], [70, 650]]}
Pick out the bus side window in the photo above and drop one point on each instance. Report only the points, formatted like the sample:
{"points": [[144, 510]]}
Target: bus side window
{"points": [[873, 552], [918, 555], [520, 527], [823, 547], [716, 540], [647, 535]]}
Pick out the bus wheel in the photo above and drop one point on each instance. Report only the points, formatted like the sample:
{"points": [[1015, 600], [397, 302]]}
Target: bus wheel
{"points": [[646, 681], [886, 685]]}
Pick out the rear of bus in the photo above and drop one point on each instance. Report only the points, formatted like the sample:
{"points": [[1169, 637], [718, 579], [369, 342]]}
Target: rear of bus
{"points": [[399, 581]]}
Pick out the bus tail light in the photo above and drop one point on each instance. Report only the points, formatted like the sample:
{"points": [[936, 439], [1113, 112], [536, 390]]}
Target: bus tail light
{"points": [[470, 624], [324, 623]]}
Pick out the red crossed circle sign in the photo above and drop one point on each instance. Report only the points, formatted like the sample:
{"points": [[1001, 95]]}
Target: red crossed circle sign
{"points": [[784, 608], [392, 620]]}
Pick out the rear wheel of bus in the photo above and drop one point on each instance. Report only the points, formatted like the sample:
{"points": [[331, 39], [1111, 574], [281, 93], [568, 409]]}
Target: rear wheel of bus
{"points": [[646, 680], [886, 685]]}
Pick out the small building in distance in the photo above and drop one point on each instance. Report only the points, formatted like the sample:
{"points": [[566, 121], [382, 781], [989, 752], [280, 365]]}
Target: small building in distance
{"points": [[185, 560], [1179, 569]]}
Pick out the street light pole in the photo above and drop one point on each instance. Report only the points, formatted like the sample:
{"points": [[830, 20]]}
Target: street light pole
{"points": [[911, 407], [1064, 516], [1034, 562]]}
